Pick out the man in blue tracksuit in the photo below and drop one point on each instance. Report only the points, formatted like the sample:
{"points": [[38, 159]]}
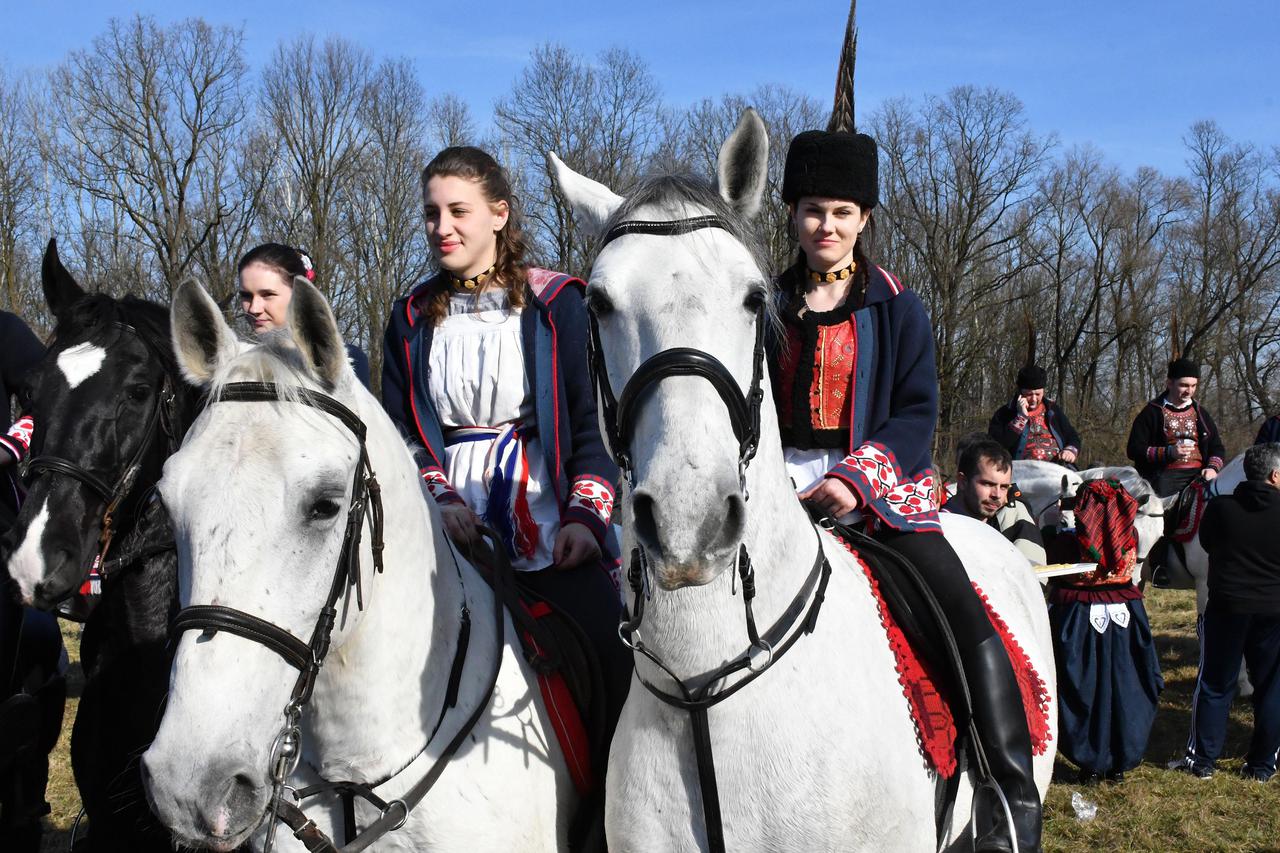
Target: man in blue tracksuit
{"points": [[1242, 618]]}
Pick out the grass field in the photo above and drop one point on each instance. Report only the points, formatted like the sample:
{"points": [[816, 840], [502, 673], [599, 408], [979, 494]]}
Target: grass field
{"points": [[1153, 810]]}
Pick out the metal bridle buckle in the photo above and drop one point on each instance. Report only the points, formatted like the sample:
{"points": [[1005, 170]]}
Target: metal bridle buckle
{"points": [[761, 645]]}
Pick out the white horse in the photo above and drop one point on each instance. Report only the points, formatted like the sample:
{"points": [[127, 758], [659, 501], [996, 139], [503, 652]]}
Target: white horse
{"points": [[259, 495], [820, 752]]}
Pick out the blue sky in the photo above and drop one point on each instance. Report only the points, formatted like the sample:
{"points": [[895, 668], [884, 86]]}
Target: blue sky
{"points": [[1129, 76]]}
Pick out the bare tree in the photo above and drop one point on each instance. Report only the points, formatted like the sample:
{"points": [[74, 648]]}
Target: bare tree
{"points": [[19, 198], [954, 172], [311, 98], [603, 119], [384, 251], [449, 122], [137, 118]]}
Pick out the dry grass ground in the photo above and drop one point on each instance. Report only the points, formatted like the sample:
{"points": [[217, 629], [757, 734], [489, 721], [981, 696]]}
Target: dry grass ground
{"points": [[1153, 810]]}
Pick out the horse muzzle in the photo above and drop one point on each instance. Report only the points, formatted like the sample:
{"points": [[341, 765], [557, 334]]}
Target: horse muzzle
{"points": [[215, 808], [688, 548]]}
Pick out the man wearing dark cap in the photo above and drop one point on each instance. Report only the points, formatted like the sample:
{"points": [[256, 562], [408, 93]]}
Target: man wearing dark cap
{"points": [[1173, 440], [1031, 426]]}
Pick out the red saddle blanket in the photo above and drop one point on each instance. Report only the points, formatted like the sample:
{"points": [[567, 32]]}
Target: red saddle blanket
{"points": [[935, 724]]}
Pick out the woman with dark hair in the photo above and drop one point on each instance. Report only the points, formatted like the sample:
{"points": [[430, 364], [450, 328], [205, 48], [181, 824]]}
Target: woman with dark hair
{"points": [[856, 390], [485, 367], [266, 275]]}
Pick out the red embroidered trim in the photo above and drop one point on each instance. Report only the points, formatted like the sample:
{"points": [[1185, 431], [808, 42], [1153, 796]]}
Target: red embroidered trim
{"points": [[593, 495], [934, 723], [1035, 696]]}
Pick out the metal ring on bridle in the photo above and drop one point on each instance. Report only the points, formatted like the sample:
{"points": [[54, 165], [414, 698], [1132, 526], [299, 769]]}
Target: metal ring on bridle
{"points": [[403, 818], [764, 646]]}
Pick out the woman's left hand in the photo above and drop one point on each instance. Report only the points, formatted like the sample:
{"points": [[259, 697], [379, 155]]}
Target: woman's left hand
{"points": [[833, 496], [575, 546]]}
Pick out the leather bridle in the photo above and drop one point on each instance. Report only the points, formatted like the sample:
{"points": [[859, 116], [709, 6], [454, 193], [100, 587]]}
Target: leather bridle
{"points": [[163, 419], [308, 656], [696, 694]]}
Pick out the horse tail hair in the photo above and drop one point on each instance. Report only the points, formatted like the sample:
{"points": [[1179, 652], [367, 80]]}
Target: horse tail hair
{"points": [[842, 110]]}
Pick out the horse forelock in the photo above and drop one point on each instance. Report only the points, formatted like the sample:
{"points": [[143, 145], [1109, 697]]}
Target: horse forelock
{"points": [[679, 196]]}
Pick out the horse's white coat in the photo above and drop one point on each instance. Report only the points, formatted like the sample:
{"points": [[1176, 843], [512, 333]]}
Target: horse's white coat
{"points": [[80, 362], [238, 490], [820, 753], [26, 563]]}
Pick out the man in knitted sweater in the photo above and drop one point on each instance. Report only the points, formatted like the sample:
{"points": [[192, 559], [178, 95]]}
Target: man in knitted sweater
{"points": [[1173, 439]]}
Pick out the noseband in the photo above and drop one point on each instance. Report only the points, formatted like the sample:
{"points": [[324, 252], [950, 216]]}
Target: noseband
{"points": [[620, 413], [163, 419]]}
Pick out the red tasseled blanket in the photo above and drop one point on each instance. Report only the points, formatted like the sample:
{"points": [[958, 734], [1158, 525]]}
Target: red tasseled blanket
{"points": [[934, 722]]}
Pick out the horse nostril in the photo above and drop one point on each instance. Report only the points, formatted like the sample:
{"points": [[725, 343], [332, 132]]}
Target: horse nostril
{"points": [[646, 524], [735, 521]]}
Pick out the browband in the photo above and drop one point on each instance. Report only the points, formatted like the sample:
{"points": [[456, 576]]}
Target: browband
{"points": [[665, 228]]}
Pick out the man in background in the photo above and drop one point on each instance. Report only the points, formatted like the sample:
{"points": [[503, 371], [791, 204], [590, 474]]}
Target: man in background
{"points": [[1173, 439], [984, 478], [1031, 426]]}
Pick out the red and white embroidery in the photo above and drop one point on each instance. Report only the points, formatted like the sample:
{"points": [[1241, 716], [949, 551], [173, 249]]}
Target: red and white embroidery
{"points": [[874, 464], [438, 486], [913, 497], [595, 496], [18, 439]]}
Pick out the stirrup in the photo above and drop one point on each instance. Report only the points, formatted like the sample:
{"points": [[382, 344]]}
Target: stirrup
{"points": [[990, 784]]}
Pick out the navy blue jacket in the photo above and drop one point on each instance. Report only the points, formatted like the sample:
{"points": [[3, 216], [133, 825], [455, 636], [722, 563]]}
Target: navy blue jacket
{"points": [[894, 403], [554, 332]]}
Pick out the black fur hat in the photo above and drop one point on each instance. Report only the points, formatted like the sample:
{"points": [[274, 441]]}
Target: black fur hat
{"points": [[1183, 368], [832, 164], [1031, 377]]}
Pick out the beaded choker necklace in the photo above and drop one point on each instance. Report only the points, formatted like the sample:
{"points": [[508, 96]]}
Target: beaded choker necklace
{"points": [[472, 283], [831, 277]]}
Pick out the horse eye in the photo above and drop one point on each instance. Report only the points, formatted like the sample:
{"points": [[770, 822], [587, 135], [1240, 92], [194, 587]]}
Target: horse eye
{"points": [[139, 393], [324, 509], [598, 303], [754, 300]]}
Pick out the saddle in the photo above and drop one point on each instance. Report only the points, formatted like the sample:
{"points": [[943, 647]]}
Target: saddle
{"points": [[1168, 557], [569, 676]]}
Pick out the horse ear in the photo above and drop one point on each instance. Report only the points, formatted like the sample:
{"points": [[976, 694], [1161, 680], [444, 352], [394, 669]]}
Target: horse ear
{"points": [[60, 289], [201, 338], [592, 202], [743, 166], [315, 332]]}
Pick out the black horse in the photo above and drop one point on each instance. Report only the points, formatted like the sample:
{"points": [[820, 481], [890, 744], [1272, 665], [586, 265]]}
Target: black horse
{"points": [[109, 407]]}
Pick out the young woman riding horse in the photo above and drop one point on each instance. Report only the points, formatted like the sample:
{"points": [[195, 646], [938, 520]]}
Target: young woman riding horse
{"points": [[266, 274], [856, 391], [485, 366]]}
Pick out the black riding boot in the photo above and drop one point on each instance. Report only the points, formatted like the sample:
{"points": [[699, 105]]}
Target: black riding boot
{"points": [[1002, 724]]}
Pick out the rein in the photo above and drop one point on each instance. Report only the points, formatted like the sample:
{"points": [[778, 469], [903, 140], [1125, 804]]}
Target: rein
{"points": [[307, 657], [163, 419], [619, 415]]}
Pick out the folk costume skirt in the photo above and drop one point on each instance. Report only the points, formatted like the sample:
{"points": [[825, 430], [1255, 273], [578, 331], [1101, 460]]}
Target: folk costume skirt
{"points": [[1108, 680]]}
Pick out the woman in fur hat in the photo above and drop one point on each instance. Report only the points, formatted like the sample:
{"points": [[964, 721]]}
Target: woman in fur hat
{"points": [[856, 390]]}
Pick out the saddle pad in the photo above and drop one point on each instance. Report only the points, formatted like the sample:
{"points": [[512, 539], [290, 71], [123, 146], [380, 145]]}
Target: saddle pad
{"points": [[1189, 509], [930, 712]]}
